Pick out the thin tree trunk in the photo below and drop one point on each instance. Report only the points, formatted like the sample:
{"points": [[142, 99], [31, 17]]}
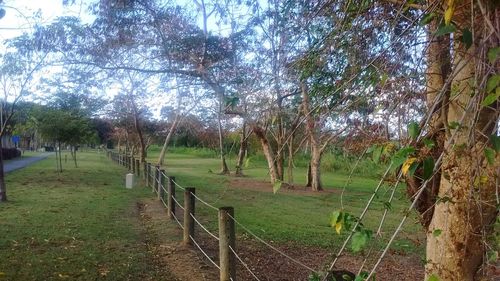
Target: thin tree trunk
{"points": [[316, 151], [224, 168], [290, 161], [60, 157], [268, 153], [3, 187], [173, 127], [242, 151]]}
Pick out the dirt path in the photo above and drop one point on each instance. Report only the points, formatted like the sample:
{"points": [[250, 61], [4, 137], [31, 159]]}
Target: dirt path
{"points": [[188, 264], [19, 163], [163, 238]]}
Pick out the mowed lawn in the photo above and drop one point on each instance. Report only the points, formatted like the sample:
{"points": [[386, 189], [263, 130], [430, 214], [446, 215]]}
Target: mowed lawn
{"points": [[296, 217], [81, 224]]}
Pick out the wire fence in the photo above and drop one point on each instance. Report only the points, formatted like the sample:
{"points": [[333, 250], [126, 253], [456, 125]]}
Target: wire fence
{"points": [[155, 178]]}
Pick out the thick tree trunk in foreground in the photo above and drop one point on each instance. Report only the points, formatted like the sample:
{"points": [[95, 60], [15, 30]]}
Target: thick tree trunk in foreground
{"points": [[268, 153], [467, 181], [161, 158]]}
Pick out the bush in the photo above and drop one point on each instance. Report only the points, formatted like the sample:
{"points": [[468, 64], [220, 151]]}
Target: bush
{"points": [[10, 153]]}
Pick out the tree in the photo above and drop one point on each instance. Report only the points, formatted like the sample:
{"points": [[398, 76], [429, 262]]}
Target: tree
{"points": [[16, 75], [461, 83]]}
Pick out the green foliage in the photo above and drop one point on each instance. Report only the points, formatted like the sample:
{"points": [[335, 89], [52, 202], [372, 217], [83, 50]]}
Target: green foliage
{"points": [[413, 130], [427, 18], [466, 38], [428, 167], [493, 54], [360, 239], [491, 98], [401, 156], [436, 232], [445, 29], [433, 277], [341, 220], [490, 155], [495, 142], [492, 83]]}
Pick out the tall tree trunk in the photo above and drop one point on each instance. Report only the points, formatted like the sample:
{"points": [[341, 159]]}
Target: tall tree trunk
{"points": [[242, 151], [73, 154], [60, 157], [224, 168], [3, 187], [467, 180], [316, 151], [268, 153], [173, 127], [138, 129], [290, 160]]}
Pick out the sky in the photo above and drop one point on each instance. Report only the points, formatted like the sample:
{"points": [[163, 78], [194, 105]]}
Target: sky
{"points": [[19, 14]]}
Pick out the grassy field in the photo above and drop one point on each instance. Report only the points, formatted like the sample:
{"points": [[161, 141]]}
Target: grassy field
{"points": [[78, 225], [295, 217]]}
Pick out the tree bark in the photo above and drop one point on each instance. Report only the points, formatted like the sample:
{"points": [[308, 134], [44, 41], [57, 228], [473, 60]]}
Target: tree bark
{"points": [[3, 186], [268, 153], [467, 181], [242, 151], [316, 151], [173, 127]]}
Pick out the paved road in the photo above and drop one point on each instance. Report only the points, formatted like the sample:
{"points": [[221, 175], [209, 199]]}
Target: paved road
{"points": [[16, 164]]}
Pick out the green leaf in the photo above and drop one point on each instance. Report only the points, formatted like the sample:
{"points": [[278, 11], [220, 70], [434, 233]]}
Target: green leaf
{"points": [[359, 240], [277, 186], [428, 167], [433, 278], [492, 83], [362, 276], [436, 232], [400, 157], [493, 54], [495, 142], [429, 143], [490, 155], [453, 125], [491, 98], [445, 29], [426, 19], [413, 168], [413, 130], [493, 256], [334, 218], [467, 38]]}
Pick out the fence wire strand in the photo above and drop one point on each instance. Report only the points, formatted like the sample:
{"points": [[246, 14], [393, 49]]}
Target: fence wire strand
{"points": [[204, 228], [205, 254], [271, 246], [243, 263]]}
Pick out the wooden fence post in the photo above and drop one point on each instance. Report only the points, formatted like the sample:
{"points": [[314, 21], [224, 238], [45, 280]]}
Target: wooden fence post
{"points": [[171, 196], [147, 171], [161, 185], [226, 240], [188, 219], [132, 164], [137, 167], [156, 179]]}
